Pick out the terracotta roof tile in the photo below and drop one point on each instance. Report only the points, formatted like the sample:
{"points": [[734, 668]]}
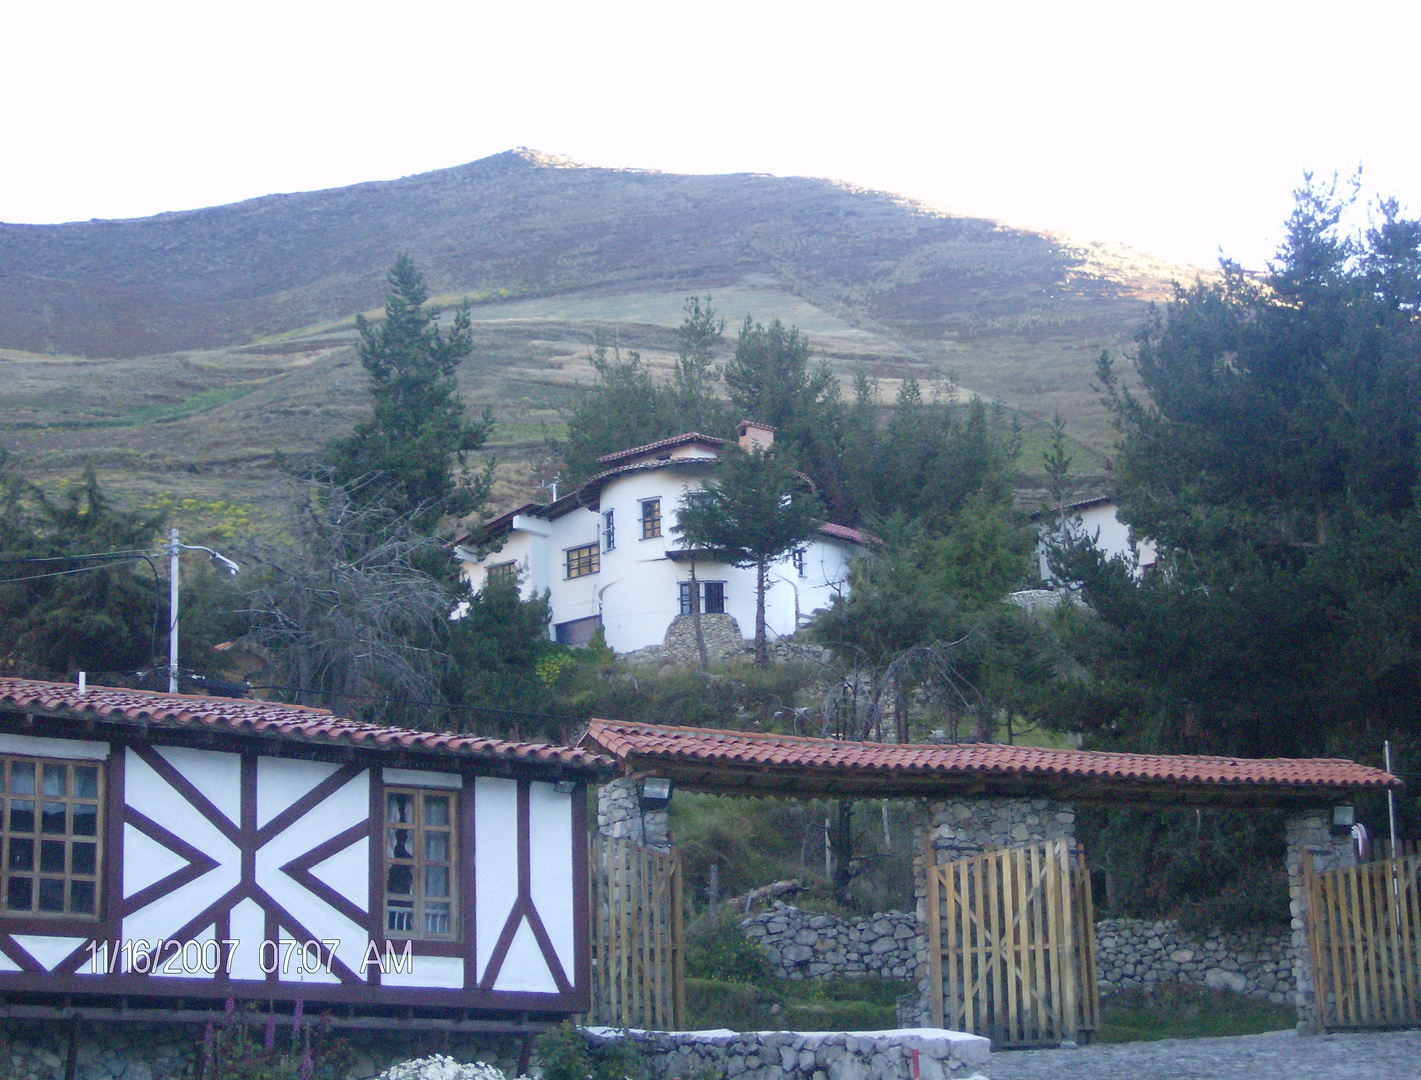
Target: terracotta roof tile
{"points": [[647, 743], [250, 717], [662, 444]]}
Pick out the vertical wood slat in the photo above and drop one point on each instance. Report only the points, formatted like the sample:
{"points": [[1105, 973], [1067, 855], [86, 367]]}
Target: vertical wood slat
{"points": [[1089, 980], [638, 963], [1038, 930], [976, 872], [1364, 932], [934, 917], [1070, 1007], [1009, 961]]}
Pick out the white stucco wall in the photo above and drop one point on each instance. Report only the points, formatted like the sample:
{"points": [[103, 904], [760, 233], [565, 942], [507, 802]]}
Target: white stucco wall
{"points": [[1111, 535]]}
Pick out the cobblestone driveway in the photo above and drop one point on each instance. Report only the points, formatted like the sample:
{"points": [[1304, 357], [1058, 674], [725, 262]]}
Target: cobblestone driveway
{"points": [[1280, 1055]]}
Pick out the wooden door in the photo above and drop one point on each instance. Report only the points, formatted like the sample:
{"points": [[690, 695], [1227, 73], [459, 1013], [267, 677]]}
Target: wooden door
{"points": [[1364, 934], [1011, 952], [638, 963]]}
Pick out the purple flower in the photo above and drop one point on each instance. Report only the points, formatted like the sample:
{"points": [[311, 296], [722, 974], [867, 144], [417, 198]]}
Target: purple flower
{"points": [[307, 1067], [229, 1011], [296, 1015], [207, 1037], [269, 1043]]}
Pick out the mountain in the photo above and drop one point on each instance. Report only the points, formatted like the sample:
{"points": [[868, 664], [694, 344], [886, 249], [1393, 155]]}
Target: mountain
{"points": [[195, 344]]}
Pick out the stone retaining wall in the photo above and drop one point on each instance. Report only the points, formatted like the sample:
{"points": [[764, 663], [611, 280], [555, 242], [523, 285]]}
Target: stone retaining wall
{"points": [[1131, 953], [803, 945], [1134, 954], [791, 1055]]}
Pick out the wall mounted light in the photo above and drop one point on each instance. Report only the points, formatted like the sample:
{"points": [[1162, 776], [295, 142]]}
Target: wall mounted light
{"points": [[656, 792], [1344, 817]]}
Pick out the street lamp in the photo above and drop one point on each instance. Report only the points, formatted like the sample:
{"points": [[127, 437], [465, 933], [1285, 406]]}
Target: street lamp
{"points": [[225, 566]]}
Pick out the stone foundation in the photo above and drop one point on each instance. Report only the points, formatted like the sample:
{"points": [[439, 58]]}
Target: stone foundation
{"points": [[790, 1055], [1133, 954], [1310, 833], [619, 814]]}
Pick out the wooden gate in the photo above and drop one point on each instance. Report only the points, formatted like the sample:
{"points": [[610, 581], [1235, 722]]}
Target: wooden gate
{"points": [[638, 965], [1364, 934], [1012, 952]]}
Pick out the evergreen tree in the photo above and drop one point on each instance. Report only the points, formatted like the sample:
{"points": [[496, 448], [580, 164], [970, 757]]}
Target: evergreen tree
{"points": [[757, 509], [61, 610], [417, 431], [1275, 465]]}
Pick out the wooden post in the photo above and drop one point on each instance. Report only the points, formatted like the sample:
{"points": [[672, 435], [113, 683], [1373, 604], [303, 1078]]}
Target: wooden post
{"points": [[934, 918]]}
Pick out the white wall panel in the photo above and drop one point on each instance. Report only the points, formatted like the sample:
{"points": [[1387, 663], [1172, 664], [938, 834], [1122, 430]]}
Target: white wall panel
{"points": [[151, 795], [348, 873], [281, 781], [524, 967], [248, 931], [190, 963], [145, 861], [550, 820], [47, 950], [35, 746], [217, 776], [437, 971], [495, 861]]}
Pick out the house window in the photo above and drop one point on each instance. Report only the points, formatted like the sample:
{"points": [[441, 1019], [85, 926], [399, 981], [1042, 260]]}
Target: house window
{"points": [[504, 573], [609, 532], [712, 595], [799, 561], [650, 518], [421, 853], [51, 836], [583, 560]]}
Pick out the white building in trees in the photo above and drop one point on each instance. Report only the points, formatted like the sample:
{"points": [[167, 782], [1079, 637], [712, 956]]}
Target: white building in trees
{"points": [[608, 557]]}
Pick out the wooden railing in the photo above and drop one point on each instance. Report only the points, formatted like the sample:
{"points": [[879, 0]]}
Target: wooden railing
{"points": [[638, 964], [1012, 952], [1364, 934]]}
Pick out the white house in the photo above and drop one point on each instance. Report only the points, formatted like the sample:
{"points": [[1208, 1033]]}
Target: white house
{"points": [[608, 557], [1097, 519]]}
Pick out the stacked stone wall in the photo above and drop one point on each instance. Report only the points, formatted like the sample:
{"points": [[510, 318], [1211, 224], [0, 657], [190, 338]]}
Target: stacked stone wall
{"points": [[803, 945], [790, 1055], [1136, 954], [620, 814]]}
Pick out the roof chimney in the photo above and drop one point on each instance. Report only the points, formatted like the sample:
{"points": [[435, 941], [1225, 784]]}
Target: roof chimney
{"points": [[753, 434]]}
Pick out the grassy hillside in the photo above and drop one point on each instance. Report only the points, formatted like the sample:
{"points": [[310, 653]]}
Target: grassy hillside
{"points": [[180, 353]]}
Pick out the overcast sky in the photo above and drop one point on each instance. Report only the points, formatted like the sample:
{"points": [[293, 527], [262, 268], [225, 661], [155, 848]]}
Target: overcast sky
{"points": [[1180, 128]]}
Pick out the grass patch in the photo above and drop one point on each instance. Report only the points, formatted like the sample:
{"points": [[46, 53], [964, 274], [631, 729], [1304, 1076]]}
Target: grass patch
{"points": [[1179, 1011], [831, 1005]]}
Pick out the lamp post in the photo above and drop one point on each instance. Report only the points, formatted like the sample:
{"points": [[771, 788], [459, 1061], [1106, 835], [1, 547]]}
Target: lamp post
{"points": [[225, 567]]}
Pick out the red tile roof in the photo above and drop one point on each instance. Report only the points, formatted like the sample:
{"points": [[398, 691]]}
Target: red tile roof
{"points": [[296, 723], [844, 532], [663, 444], [890, 765]]}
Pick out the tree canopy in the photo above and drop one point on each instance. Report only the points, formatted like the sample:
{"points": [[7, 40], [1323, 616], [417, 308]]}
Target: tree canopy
{"points": [[755, 510], [76, 593], [1273, 459], [404, 453]]}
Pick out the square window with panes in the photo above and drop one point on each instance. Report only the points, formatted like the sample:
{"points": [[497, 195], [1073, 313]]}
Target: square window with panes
{"points": [[583, 560], [52, 820], [712, 597], [650, 519], [421, 857]]}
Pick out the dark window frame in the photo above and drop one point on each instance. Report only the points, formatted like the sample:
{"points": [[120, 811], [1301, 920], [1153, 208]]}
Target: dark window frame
{"points": [[609, 531], [503, 570], [584, 560], [418, 862], [41, 861], [711, 595], [651, 518]]}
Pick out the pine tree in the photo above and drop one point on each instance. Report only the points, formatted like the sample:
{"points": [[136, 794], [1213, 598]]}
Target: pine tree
{"points": [[417, 434]]}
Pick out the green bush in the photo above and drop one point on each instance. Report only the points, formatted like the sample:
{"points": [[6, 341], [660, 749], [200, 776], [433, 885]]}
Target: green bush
{"points": [[567, 1054], [716, 949]]}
